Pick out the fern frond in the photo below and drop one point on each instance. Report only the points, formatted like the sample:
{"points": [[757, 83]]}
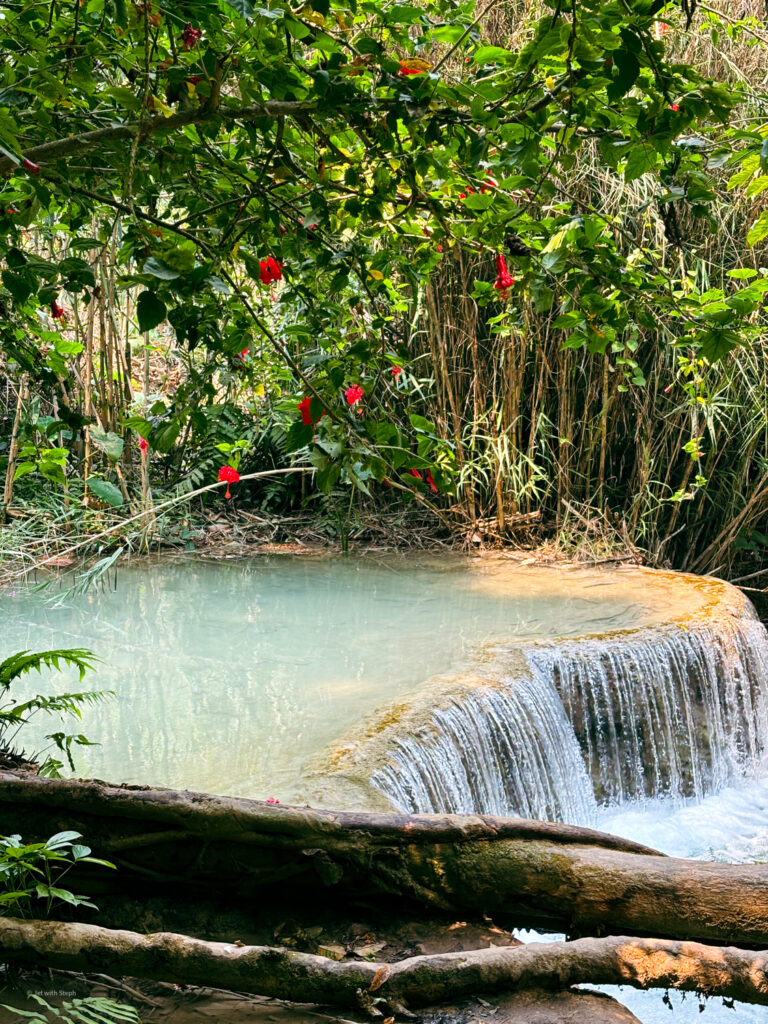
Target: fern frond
{"points": [[19, 664]]}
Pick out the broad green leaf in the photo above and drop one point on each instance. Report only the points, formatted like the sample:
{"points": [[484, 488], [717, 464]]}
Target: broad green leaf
{"points": [[150, 311], [106, 491], [243, 7], [108, 442]]}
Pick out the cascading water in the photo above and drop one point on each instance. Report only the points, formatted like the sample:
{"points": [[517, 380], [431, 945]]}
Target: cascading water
{"points": [[498, 749], [672, 711]]}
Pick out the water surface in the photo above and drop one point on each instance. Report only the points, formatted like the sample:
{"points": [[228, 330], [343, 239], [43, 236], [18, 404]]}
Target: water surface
{"points": [[229, 675]]}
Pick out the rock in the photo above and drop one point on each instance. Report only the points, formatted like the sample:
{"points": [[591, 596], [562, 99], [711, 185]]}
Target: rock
{"points": [[332, 951], [370, 950], [571, 1007]]}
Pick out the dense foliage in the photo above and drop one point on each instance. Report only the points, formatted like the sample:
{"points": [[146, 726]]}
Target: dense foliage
{"points": [[284, 196]]}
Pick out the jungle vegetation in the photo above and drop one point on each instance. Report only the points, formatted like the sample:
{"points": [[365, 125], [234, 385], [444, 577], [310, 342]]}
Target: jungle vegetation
{"points": [[499, 262]]}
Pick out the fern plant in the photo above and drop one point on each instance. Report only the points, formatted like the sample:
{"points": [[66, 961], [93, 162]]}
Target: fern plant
{"points": [[14, 714], [77, 1011]]}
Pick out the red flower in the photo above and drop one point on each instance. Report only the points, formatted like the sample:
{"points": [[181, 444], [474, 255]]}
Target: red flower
{"points": [[143, 444], [415, 472], [230, 475], [11, 210], [270, 270], [462, 195], [431, 482], [354, 394], [190, 35], [504, 279], [405, 70], [56, 311], [489, 185], [29, 166], [306, 415], [272, 800], [396, 371], [674, 107]]}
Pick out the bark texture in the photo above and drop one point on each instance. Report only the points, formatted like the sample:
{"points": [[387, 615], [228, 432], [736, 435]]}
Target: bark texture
{"points": [[418, 981], [556, 876]]}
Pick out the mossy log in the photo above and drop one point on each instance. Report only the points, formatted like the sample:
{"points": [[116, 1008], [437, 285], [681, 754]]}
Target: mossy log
{"points": [[415, 982], [556, 876]]}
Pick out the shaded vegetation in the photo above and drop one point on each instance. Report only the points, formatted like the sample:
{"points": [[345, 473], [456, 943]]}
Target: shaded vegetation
{"points": [[500, 261]]}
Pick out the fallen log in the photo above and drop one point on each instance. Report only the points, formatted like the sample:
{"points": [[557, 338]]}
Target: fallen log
{"points": [[553, 876], [415, 982]]}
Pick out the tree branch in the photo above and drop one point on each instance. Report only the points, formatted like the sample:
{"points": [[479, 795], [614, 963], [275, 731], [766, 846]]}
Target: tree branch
{"points": [[417, 981]]}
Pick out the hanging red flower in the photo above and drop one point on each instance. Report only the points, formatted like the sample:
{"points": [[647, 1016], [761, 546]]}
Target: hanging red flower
{"points": [[354, 394], [415, 472], [396, 371], [504, 279], [306, 415], [674, 107], [29, 166], [143, 444], [489, 185], [431, 482], [56, 311], [190, 35], [270, 270], [230, 475]]}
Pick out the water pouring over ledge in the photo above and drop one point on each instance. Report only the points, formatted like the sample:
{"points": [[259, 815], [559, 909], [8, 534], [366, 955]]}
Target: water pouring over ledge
{"points": [[556, 728]]}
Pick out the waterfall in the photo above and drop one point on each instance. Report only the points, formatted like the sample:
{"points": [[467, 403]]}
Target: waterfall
{"points": [[670, 711], [496, 750]]}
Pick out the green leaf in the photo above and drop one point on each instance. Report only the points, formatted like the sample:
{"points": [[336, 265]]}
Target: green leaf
{"points": [[641, 158], [492, 55], [759, 229], [106, 491], [243, 7], [717, 343], [121, 15], [160, 270], [298, 436], [478, 202], [628, 68], [108, 442], [17, 285], [150, 311]]}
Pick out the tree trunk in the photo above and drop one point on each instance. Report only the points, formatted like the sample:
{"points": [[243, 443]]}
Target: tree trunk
{"points": [[417, 981], [555, 876]]}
